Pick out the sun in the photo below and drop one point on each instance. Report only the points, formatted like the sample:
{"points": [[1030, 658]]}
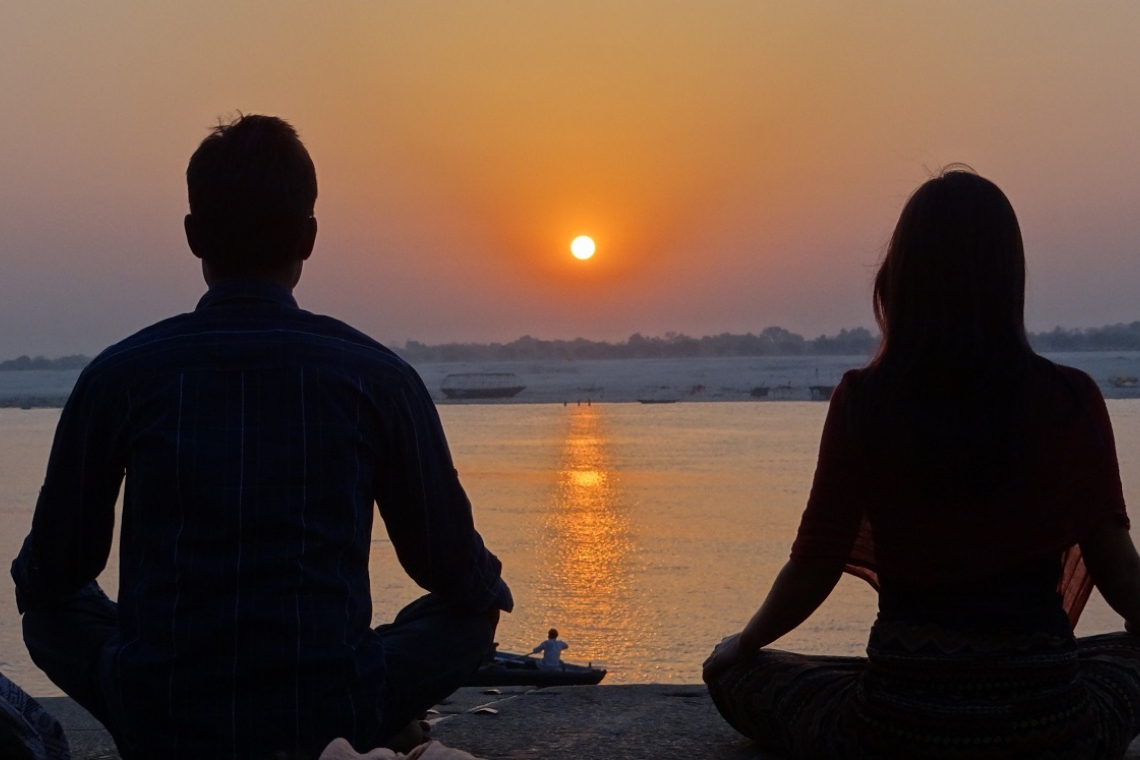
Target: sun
{"points": [[582, 247]]}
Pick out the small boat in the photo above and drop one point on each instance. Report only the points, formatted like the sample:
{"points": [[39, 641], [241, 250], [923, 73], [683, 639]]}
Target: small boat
{"points": [[657, 401], [480, 385], [506, 669]]}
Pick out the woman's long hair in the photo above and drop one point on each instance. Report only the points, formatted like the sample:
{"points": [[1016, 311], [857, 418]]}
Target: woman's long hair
{"points": [[945, 385]]}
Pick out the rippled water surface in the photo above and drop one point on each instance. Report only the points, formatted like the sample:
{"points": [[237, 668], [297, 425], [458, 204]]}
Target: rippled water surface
{"points": [[644, 533]]}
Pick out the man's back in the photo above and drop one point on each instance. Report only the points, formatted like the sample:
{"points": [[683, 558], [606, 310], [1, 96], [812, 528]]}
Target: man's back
{"points": [[255, 438]]}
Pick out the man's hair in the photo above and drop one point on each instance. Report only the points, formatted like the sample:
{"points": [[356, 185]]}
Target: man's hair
{"points": [[552, 633], [252, 188]]}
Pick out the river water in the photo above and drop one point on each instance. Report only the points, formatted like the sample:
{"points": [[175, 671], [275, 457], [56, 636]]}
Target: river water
{"points": [[644, 533]]}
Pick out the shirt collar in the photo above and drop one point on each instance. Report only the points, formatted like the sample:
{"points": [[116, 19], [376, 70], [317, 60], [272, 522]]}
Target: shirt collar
{"points": [[246, 290]]}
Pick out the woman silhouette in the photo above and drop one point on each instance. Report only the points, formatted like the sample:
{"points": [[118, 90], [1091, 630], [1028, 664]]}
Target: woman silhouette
{"points": [[975, 485]]}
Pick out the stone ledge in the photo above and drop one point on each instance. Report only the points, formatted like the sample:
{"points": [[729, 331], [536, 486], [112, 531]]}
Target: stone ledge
{"points": [[619, 722], [635, 722]]}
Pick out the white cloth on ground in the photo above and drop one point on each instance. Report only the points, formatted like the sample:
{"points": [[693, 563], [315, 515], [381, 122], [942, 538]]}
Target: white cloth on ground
{"points": [[340, 749]]}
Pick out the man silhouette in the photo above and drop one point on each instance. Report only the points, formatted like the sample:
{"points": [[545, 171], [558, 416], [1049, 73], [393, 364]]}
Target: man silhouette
{"points": [[255, 438]]}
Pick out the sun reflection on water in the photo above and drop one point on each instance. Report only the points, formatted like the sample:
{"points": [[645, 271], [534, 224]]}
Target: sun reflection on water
{"points": [[588, 547]]}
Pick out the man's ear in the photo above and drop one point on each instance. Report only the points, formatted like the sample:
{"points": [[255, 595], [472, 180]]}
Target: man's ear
{"points": [[193, 235], [308, 239]]}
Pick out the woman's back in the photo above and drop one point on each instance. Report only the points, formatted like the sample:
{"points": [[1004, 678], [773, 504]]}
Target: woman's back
{"points": [[869, 505]]}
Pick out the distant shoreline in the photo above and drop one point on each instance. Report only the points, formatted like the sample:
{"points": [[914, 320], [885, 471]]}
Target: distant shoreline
{"points": [[33, 402], [651, 381], [772, 342]]}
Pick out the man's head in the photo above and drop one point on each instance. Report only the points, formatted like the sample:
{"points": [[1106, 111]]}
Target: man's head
{"points": [[252, 189], [552, 633]]}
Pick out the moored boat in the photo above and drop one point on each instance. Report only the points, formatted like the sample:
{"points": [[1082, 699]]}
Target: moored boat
{"points": [[481, 385]]}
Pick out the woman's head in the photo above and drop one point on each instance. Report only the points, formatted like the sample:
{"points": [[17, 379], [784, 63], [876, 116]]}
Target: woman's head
{"points": [[952, 284], [945, 387]]}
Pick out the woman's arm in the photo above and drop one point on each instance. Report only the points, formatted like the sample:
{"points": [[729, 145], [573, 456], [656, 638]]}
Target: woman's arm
{"points": [[827, 531], [1115, 569], [799, 589]]}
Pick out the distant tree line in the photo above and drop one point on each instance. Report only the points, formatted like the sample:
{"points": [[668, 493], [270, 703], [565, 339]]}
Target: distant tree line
{"points": [[74, 361], [771, 341], [1118, 337]]}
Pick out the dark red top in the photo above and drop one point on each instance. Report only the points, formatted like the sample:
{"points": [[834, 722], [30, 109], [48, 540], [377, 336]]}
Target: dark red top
{"points": [[864, 505]]}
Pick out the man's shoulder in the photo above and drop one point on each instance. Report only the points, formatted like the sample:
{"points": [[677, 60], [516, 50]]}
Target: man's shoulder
{"points": [[336, 330], [135, 346], [342, 344], [294, 334]]}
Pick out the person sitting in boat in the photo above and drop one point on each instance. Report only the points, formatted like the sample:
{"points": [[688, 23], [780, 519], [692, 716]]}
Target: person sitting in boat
{"points": [[551, 651]]}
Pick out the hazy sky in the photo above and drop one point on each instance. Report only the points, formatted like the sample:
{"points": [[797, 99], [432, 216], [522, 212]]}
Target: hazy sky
{"points": [[740, 164]]}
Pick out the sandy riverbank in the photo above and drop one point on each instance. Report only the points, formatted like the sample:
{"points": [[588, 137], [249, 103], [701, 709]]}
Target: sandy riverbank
{"points": [[770, 378]]}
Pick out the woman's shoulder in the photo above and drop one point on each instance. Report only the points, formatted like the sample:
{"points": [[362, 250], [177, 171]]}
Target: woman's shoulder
{"points": [[1066, 401], [1059, 382], [850, 382]]}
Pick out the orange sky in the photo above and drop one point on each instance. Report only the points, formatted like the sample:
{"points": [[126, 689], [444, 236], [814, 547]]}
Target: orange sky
{"points": [[740, 164]]}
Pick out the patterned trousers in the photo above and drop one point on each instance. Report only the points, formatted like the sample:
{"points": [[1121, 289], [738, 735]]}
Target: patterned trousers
{"points": [[923, 692]]}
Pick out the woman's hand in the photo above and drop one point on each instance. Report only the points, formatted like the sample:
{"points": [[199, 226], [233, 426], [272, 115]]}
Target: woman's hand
{"points": [[726, 654], [1114, 565], [800, 588]]}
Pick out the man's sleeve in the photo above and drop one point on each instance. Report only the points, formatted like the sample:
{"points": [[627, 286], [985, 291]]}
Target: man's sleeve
{"points": [[426, 511], [74, 518]]}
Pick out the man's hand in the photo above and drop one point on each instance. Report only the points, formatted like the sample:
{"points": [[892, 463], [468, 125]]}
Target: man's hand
{"points": [[726, 654]]}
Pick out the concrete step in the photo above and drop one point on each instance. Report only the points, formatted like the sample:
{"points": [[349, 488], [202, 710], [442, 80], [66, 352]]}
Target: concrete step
{"points": [[619, 722], [635, 722]]}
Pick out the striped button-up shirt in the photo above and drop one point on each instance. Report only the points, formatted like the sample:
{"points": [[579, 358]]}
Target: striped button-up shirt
{"points": [[255, 438]]}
